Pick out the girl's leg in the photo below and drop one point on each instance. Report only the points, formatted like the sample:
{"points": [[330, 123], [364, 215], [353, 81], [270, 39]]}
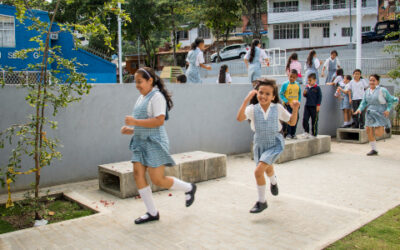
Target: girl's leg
{"points": [[139, 173], [379, 131], [158, 178], [272, 177], [372, 140], [261, 204]]}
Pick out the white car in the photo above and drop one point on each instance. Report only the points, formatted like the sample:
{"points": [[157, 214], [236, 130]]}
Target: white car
{"points": [[230, 52]]}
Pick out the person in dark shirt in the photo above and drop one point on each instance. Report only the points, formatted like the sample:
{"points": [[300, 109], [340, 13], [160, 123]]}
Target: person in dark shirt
{"points": [[313, 95]]}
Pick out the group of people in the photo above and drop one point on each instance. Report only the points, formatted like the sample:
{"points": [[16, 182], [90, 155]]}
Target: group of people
{"points": [[261, 107]]}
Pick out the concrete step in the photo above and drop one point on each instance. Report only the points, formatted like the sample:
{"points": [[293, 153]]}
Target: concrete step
{"points": [[117, 178], [355, 135]]}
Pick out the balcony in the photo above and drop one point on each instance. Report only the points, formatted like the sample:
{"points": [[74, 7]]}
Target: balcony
{"points": [[333, 5]]}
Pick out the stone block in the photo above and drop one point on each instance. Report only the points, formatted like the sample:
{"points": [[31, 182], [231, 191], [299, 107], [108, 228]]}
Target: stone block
{"points": [[355, 135]]}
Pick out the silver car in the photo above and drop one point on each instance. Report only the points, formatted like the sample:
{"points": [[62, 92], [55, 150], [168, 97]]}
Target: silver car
{"points": [[230, 52]]}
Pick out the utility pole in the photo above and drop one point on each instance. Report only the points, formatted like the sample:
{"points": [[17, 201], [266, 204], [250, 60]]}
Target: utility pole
{"points": [[119, 46], [351, 28], [358, 32]]}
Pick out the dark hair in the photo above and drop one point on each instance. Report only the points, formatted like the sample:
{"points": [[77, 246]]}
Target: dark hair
{"points": [[376, 76], [339, 72], [348, 77], [266, 82], [293, 71], [253, 49], [291, 58], [196, 43], [334, 52], [357, 70], [222, 74], [312, 76], [148, 73], [181, 78], [310, 57]]}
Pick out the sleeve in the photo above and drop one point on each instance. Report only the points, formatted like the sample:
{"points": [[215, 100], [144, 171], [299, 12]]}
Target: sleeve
{"points": [[363, 103], [247, 56], [390, 100], [326, 64], [319, 99], [337, 80], [158, 105], [263, 54], [299, 91], [366, 84], [249, 112], [283, 114], [200, 58], [228, 78], [282, 93], [317, 63]]}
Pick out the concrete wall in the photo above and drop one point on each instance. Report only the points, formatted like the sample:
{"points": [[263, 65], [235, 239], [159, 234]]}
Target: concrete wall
{"points": [[203, 118]]}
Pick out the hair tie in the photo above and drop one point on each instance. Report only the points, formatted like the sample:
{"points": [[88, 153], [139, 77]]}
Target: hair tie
{"points": [[145, 71]]}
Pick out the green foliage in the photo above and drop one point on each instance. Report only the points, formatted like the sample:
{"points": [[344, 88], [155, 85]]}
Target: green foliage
{"points": [[253, 10]]}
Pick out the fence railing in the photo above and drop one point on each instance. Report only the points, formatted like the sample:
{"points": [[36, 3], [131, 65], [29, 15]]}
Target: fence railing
{"points": [[20, 77]]}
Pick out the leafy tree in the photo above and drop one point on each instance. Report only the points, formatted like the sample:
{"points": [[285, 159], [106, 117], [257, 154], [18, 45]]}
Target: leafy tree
{"points": [[31, 138], [254, 9]]}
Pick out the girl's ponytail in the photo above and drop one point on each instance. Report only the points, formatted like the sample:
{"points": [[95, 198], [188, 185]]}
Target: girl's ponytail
{"points": [[253, 49], [222, 74]]}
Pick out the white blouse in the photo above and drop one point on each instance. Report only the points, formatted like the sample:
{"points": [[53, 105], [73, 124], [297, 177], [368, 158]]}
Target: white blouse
{"points": [[283, 114], [157, 105]]}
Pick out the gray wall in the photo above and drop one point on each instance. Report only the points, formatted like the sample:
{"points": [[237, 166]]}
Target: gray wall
{"points": [[203, 118]]}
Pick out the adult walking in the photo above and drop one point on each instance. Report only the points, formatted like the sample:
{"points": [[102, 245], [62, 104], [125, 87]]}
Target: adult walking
{"points": [[312, 65], [253, 60], [195, 59]]}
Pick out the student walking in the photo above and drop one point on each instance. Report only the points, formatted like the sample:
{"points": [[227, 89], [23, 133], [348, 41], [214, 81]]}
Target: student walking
{"points": [[150, 144], [253, 60], [265, 114], [195, 59]]}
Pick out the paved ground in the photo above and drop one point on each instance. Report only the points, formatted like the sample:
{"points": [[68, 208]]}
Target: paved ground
{"points": [[321, 199]]}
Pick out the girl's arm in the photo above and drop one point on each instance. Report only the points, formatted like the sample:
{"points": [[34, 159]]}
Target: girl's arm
{"points": [[241, 116], [125, 130], [362, 106], [246, 62], [293, 118], [147, 123], [208, 67]]}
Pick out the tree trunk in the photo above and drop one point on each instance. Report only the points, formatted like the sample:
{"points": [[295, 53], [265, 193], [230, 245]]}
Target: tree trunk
{"points": [[174, 34]]}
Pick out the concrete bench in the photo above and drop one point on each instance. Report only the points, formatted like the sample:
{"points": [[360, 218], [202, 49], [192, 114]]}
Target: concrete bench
{"points": [[301, 148], [197, 166], [355, 135]]}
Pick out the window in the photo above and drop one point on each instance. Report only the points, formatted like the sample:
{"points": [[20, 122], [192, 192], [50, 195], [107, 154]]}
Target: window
{"points": [[347, 31], [366, 29], [306, 30], [182, 35], [7, 31], [339, 4], [320, 5], [204, 32], [290, 6], [326, 32], [286, 31], [363, 3]]}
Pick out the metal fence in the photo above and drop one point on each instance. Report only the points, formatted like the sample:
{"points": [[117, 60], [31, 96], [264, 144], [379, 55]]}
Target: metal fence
{"points": [[20, 77]]}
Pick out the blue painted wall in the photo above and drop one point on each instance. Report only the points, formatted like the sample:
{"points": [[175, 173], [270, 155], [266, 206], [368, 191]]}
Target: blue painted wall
{"points": [[102, 71]]}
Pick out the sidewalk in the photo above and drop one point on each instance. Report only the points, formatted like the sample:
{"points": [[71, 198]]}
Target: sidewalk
{"points": [[321, 199]]}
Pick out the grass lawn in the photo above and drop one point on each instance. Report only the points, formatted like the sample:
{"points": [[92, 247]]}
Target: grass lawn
{"points": [[382, 233], [20, 216]]}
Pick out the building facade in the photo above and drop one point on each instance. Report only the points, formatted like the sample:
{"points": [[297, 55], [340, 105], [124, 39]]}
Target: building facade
{"points": [[15, 36], [317, 23]]}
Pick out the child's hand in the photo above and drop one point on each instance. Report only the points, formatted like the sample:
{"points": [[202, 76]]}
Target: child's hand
{"points": [[251, 95], [358, 112], [130, 121], [386, 113], [318, 107], [295, 105], [322, 74], [125, 130], [208, 67]]}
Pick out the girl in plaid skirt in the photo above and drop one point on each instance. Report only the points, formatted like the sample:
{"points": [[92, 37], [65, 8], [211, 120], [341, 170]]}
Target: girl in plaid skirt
{"points": [[149, 143], [265, 113]]}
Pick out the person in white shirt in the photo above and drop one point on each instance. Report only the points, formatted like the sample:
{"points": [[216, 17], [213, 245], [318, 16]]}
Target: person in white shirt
{"points": [[254, 58], [265, 113], [224, 76], [195, 59], [331, 65], [357, 87], [312, 65]]}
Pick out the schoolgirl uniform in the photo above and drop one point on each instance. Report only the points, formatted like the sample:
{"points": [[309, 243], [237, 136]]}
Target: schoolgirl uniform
{"points": [[377, 101], [228, 78], [150, 146], [344, 98], [255, 65], [331, 66], [268, 141], [194, 58], [312, 69], [297, 66]]}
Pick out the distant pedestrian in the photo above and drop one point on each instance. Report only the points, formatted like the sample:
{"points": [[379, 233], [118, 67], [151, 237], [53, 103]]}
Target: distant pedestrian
{"points": [[253, 60], [331, 65], [195, 58], [312, 65], [224, 76]]}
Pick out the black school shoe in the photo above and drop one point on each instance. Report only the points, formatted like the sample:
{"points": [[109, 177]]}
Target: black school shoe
{"points": [[274, 189], [191, 193], [387, 130], [372, 152], [150, 217], [259, 207]]}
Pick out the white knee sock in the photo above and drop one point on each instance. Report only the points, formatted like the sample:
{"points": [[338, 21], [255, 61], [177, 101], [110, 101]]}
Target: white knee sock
{"points": [[273, 180], [261, 193], [182, 186], [147, 197], [373, 145]]}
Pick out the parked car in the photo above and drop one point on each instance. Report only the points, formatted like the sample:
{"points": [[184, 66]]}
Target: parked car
{"points": [[381, 30], [230, 52]]}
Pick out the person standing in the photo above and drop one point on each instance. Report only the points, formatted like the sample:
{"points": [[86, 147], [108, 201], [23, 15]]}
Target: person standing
{"points": [[195, 59], [331, 65], [312, 65]]}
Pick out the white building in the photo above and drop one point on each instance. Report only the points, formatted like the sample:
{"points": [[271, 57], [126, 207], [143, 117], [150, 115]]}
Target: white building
{"points": [[315, 23], [187, 37]]}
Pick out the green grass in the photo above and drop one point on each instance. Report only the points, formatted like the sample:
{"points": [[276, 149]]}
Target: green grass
{"points": [[382, 233], [21, 216]]}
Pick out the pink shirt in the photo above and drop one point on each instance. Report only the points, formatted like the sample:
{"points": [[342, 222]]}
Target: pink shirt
{"points": [[295, 65]]}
